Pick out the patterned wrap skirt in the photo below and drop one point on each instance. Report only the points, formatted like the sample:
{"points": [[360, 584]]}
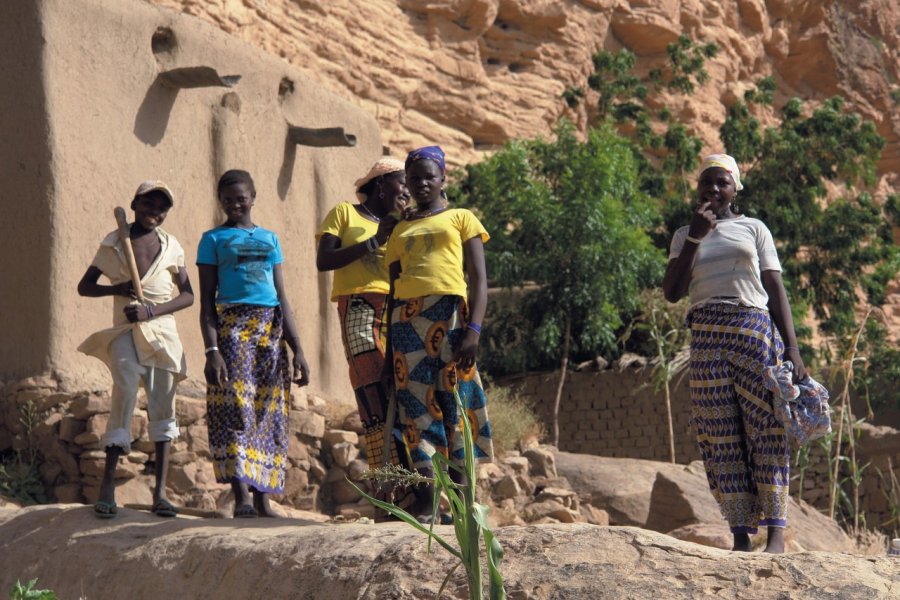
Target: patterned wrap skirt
{"points": [[423, 332], [364, 331], [744, 448], [248, 416]]}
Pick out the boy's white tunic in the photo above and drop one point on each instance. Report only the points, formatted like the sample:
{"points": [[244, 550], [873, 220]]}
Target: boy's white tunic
{"points": [[156, 341], [155, 357]]}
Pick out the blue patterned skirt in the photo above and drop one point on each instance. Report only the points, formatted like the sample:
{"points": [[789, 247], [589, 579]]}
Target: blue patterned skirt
{"points": [[423, 333], [744, 448], [248, 416]]}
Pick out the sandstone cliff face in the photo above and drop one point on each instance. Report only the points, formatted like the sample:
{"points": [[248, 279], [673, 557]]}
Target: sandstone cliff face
{"points": [[471, 74]]}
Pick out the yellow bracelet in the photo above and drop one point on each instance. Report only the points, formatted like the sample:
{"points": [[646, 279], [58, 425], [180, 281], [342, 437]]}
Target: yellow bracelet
{"points": [[693, 239]]}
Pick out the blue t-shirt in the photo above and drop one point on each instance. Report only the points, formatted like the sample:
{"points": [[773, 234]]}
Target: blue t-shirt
{"points": [[245, 259]]}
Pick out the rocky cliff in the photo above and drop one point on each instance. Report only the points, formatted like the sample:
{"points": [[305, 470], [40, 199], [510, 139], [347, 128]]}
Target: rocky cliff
{"points": [[471, 74]]}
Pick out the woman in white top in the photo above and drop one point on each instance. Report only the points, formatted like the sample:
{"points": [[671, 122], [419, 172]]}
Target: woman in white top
{"points": [[740, 320]]}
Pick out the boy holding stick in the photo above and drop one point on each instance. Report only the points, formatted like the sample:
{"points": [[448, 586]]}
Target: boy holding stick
{"points": [[145, 266]]}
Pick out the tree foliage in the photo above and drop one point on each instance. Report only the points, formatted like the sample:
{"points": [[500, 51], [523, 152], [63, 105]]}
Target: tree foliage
{"points": [[569, 217], [832, 250]]}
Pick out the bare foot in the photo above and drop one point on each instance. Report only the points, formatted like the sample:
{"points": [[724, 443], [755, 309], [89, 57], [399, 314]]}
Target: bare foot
{"points": [[742, 543], [775, 541], [243, 507], [262, 506]]}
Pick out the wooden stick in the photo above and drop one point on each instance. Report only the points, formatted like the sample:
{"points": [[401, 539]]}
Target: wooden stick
{"points": [[125, 236]]}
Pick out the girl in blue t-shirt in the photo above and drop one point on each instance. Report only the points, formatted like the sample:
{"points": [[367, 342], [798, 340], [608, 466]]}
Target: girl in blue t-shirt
{"points": [[245, 320]]}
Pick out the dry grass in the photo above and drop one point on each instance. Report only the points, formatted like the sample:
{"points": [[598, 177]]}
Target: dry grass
{"points": [[513, 420]]}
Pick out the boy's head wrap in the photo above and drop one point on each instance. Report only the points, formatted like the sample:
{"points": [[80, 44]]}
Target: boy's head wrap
{"points": [[725, 162]]}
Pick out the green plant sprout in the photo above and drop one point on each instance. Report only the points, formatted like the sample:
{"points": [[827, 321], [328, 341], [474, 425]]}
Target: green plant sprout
{"points": [[470, 522]]}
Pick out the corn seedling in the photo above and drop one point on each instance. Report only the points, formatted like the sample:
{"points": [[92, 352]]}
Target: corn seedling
{"points": [[469, 517], [27, 592]]}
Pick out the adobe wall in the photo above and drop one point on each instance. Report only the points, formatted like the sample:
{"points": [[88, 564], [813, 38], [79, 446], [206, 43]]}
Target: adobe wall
{"points": [[613, 413], [25, 235], [92, 118]]}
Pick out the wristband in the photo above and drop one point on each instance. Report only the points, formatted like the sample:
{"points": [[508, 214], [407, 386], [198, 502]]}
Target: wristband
{"points": [[372, 244], [211, 349], [474, 327], [149, 311], [691, 238], [786, 348]]}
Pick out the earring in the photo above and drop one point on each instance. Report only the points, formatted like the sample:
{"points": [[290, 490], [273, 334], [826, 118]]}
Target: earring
{"points": [[380, 193]]}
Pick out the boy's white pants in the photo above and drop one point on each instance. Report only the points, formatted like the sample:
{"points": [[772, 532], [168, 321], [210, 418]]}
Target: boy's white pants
{"points": [[128, 374]]}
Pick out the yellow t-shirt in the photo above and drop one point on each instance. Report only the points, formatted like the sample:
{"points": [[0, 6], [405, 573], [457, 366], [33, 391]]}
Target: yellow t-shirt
{"points": [[369, 273], [430, 252]]}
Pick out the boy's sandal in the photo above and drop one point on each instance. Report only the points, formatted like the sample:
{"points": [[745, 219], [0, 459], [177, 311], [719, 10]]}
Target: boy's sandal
{"points": [[105, 510], [164, 508], [442, 519], [245, 512]]}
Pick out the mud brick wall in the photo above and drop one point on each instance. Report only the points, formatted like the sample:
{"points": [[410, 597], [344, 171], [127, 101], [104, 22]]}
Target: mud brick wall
{"points": [[613, 413]]}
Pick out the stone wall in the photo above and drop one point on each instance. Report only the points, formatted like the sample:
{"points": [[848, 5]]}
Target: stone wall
{"points": [[65, 431]]}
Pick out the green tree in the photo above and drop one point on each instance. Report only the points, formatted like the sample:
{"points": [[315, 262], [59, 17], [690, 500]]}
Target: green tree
{"points": [[569, 217], [830, 250]]}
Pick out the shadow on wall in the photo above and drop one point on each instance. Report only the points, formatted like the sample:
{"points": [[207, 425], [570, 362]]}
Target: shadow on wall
{"points": [[152, 117]]}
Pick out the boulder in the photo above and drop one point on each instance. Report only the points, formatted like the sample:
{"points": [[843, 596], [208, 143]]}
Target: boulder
{"points": [[353, 422], [541, 461], [678, 499], [681, 497], [593, 515], [189, 410], [308, 423], [337, 436], [566, 497], [508, 487], [620, 486], [87, 405], [714, 535], [199, 558], [344, 453]]}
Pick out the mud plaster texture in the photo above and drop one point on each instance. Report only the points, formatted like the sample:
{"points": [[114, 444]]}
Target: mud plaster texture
{"points": [[91, 117]]}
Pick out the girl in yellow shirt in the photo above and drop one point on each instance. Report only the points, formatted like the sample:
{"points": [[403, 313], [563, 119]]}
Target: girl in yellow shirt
{"points": [[351, 243], [436, 322]]}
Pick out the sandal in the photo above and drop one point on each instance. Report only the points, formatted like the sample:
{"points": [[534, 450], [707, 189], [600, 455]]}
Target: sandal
{"points": [[105, 510], [164, 508], [245, 512], [442, 519]]}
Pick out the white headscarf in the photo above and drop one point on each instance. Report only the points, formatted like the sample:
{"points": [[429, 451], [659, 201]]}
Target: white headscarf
{"points": [[726, 162]]}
